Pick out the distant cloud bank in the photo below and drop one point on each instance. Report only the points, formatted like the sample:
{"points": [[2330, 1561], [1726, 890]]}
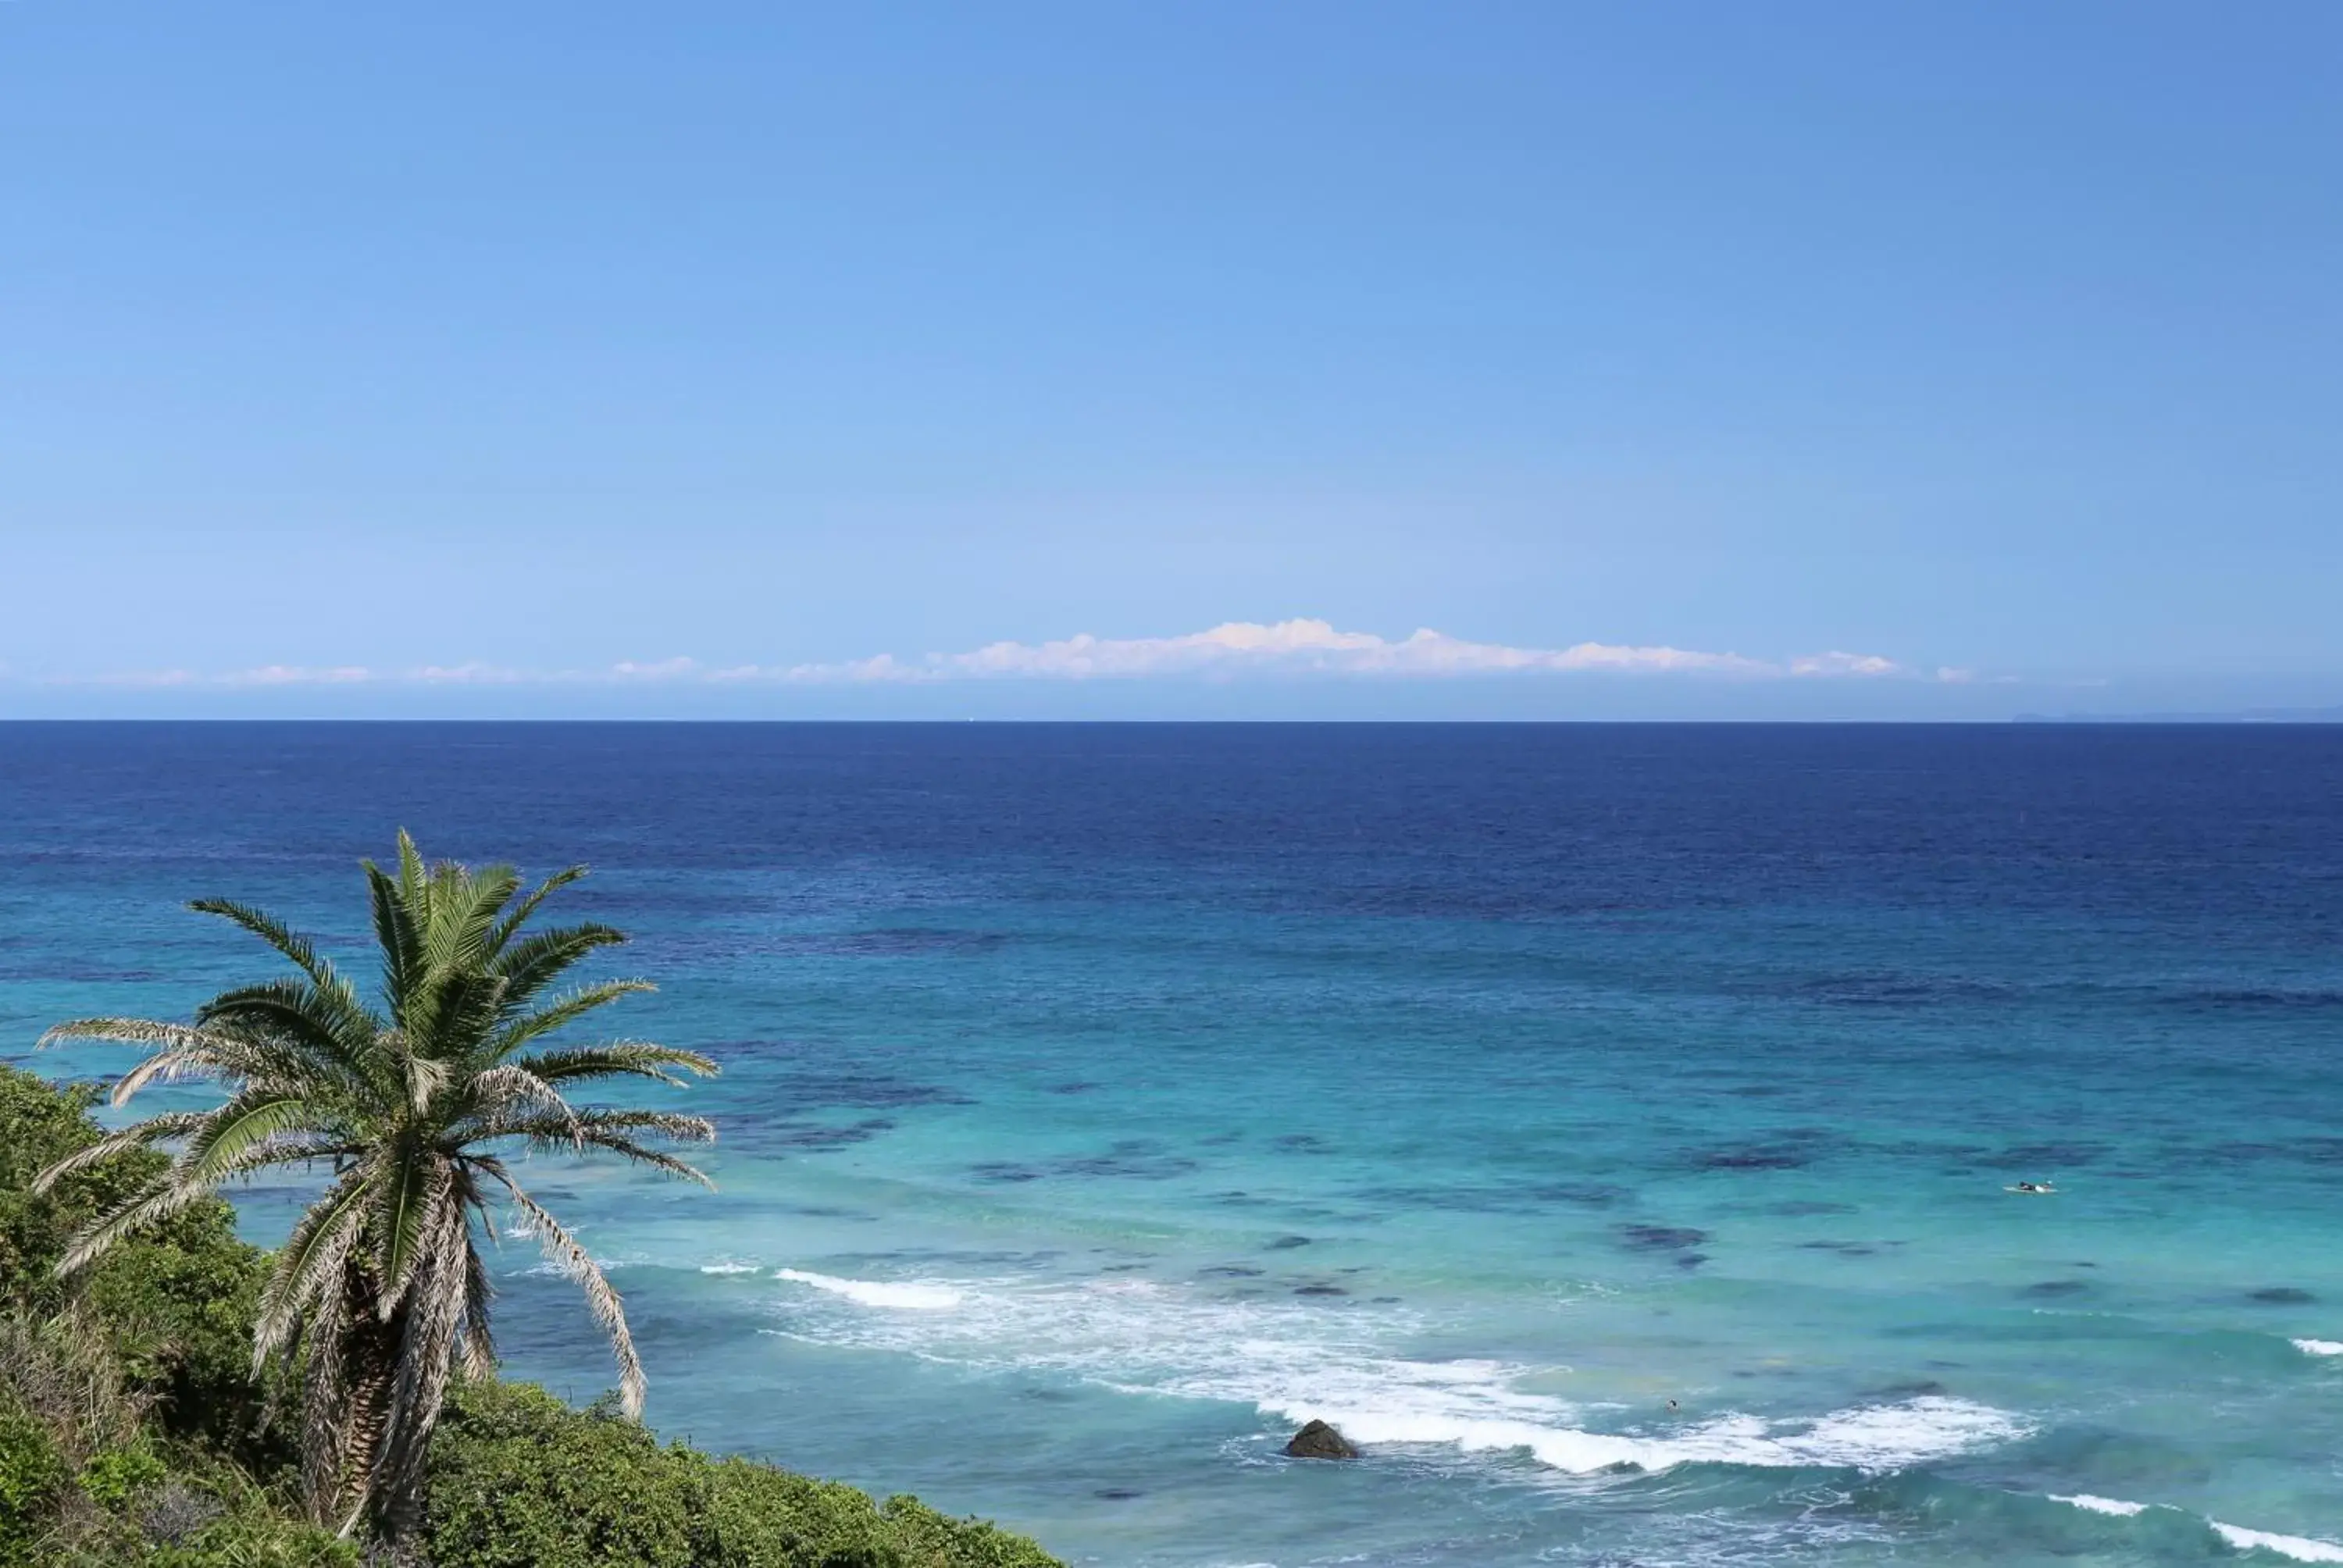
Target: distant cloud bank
{"points": [[1231, 650], [1311, 646]]}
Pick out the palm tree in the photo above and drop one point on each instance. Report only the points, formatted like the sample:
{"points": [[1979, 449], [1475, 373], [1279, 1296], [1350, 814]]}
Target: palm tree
{"points": [[381, 1292]]}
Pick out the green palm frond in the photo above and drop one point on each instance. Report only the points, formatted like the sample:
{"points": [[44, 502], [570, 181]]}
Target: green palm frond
{"points": [[408, 1196], [611, 1130], [564, 1011], [333, 1024], [309, 1264], [299, 949], [230, 1137], [541, 958], [156, 1203], [395, 934], [617, 1059], [519, 917], [464, 914]]}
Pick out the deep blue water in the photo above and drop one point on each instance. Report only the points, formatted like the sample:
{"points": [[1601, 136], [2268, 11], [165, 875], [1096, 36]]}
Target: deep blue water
{"points": [[1100, 1101]]}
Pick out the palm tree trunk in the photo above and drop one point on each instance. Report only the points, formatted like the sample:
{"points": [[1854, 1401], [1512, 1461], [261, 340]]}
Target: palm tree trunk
{"points": [[365, 1366]]}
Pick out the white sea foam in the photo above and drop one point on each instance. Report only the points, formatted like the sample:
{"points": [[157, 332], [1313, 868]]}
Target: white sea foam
{"points": [[2114, 1506], [1870, 1437], [1294, 1362], [731, 1268], [2301, 1548], [914, 1296], [2319, 1347]]}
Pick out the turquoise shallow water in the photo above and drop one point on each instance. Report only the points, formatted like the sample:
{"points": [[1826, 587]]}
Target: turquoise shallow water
{"points": [[1099, 1103]]}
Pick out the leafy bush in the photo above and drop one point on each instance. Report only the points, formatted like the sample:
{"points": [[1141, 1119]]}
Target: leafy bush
{"points": [[254, 1538], [519, 1480], [174, 1306], [113, 1477], [33, 1476]]}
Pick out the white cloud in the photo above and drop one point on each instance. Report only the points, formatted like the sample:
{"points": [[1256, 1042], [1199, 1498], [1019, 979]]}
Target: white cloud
{"points": [[297, 675], [1836, 663], [1311, 646], [658, 669], [1231, 650]]}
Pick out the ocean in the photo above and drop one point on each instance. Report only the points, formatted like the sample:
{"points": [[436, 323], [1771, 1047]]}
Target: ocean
{"points": [[1607, 1127]]}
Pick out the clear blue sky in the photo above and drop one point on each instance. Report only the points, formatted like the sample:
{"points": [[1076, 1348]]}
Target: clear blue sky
{"points": [[529, 340]]}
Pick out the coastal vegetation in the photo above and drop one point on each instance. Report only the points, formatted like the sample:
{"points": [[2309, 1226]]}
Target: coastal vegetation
{"points": [[172, 1397]]}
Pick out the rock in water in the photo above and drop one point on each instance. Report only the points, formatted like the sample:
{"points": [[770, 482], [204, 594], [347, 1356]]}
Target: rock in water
{"points": [[1318, 1440]]}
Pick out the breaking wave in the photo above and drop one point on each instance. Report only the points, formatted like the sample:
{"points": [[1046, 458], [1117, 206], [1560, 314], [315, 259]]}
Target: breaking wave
{"points": [[1293, 1363], [910, 1297]]}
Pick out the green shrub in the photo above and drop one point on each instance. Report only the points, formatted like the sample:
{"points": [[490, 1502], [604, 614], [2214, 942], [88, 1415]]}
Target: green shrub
{"points": [[519, 1480], [33, 1476], [175, 1304], [255, 1539], [111, 1479]]}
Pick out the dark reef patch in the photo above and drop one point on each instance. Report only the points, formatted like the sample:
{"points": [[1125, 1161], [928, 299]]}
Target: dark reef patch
{"points": [[805, 1135], [1585, 1194], [1286, 1243], [1659, 1237], [2283, 1296], [2035, 1156], [1135, 1158], [2306, 1150], [1138, 1159], [1888, 989], [814, 1084], [2050, 1290], [1787, 1151], [2271, 999], [1755, 1157]]}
